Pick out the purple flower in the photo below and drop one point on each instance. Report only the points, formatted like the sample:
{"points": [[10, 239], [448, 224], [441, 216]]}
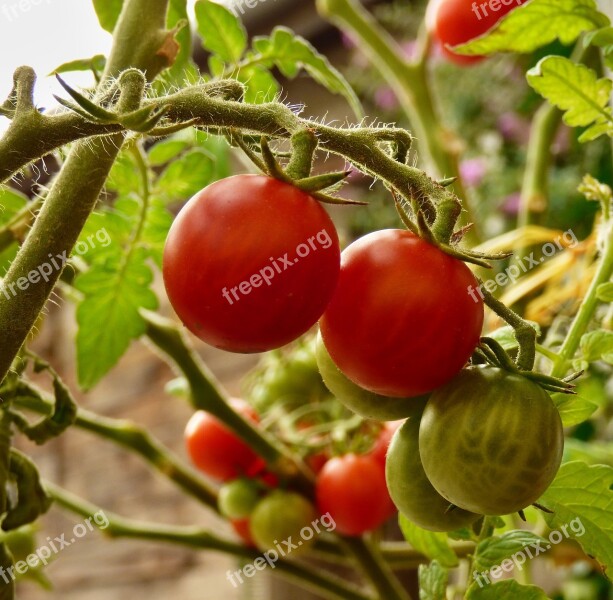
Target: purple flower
{"points": [[513, 128], [385, 98], [408, 49], [510, 205], [473, 171]]}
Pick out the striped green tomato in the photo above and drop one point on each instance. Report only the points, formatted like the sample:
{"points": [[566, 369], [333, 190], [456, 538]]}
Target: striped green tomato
{"points": [[491, 441]]}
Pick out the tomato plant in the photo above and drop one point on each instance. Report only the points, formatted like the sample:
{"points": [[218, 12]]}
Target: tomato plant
{"points": [[250, 263], [391, 326], [491, 442], [215, 449], [351, 488], [238, 499]]}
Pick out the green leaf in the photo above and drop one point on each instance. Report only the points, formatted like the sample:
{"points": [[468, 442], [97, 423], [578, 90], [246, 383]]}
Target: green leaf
{"points": [[574, 409], [124, 177], [182, 68], [156, 229], [505, 590], [114, 292], [494, 550], [108, 13], [605, 292], [186, 176], [432, 581], [261, 85], [582, 500], [574, 89], [165, 151], [290, 53], [11, 202], [596, 345], [433, 545], [592, 453], [221, 31], [95, 63], [537, 24]]}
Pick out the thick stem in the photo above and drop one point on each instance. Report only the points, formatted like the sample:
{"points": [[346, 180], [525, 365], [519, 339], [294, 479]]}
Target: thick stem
{"points": [[588, 306], [138, 40], [326, 585], [376, 570]]}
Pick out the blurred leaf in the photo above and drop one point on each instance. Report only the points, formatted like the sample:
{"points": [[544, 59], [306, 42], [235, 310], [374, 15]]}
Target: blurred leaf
{"points": [[494, 550], [505, 590], [165, 151], [114, 292], [574, 89], [124, 177], [583, 495], [108, 13], [11, 202], [592, 453], [573, 409], [432, 581], [156, 229], [221, 31], [605, 292], [185, 176], [537, 24], [596, 345], [95, 63], [290, 53], [433, 545]]}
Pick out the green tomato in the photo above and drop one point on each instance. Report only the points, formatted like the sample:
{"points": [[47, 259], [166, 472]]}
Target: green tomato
{"points": [[283, 518], [238, 499], [360, 401], [410, 489], [491, 441]]}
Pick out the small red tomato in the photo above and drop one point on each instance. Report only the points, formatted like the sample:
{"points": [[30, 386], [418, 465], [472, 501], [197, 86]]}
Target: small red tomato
{"points": [[242, 527], [251, 263], [379, 449], [352, 489], [215, 449]]}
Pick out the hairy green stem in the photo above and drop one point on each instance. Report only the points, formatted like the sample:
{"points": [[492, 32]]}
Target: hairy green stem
{"points": [[326, 585], [376, 570], [588, 306], [132, 437], [138, 40]]}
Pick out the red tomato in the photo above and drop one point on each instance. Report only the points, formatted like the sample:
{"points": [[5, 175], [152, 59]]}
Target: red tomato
{"points": [[317, 461], [402, 321], [215, 449], [242, 527], [352, 489], [455, 22], [379, 450], [251, 263]]}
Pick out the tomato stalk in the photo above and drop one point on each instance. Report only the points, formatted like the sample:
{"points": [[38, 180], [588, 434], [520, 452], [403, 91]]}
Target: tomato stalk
{"points": [[325, 584]]}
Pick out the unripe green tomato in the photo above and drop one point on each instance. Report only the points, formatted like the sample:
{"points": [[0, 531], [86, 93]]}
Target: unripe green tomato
{"points": [[410, 489], [281, 517], [362, 402], [491, 441], [238, 499]]}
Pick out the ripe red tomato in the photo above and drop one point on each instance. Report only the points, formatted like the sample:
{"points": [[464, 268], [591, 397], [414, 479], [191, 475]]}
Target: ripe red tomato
{"points": [[215, 449], [454, 22], [250, 263], [352, 489], [402, 321], [379, 450], [242, 527]]}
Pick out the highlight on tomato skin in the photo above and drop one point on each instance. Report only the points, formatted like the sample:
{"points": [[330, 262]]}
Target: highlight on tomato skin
{"points": [[250, 263], [456, 22], [402, 321]]}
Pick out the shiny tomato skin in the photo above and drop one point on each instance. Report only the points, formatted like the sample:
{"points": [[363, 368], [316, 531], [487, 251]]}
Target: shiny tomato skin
{"points": [[351, 488], [215, 449], [250, 263], [402, 321], [454, 22]]}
